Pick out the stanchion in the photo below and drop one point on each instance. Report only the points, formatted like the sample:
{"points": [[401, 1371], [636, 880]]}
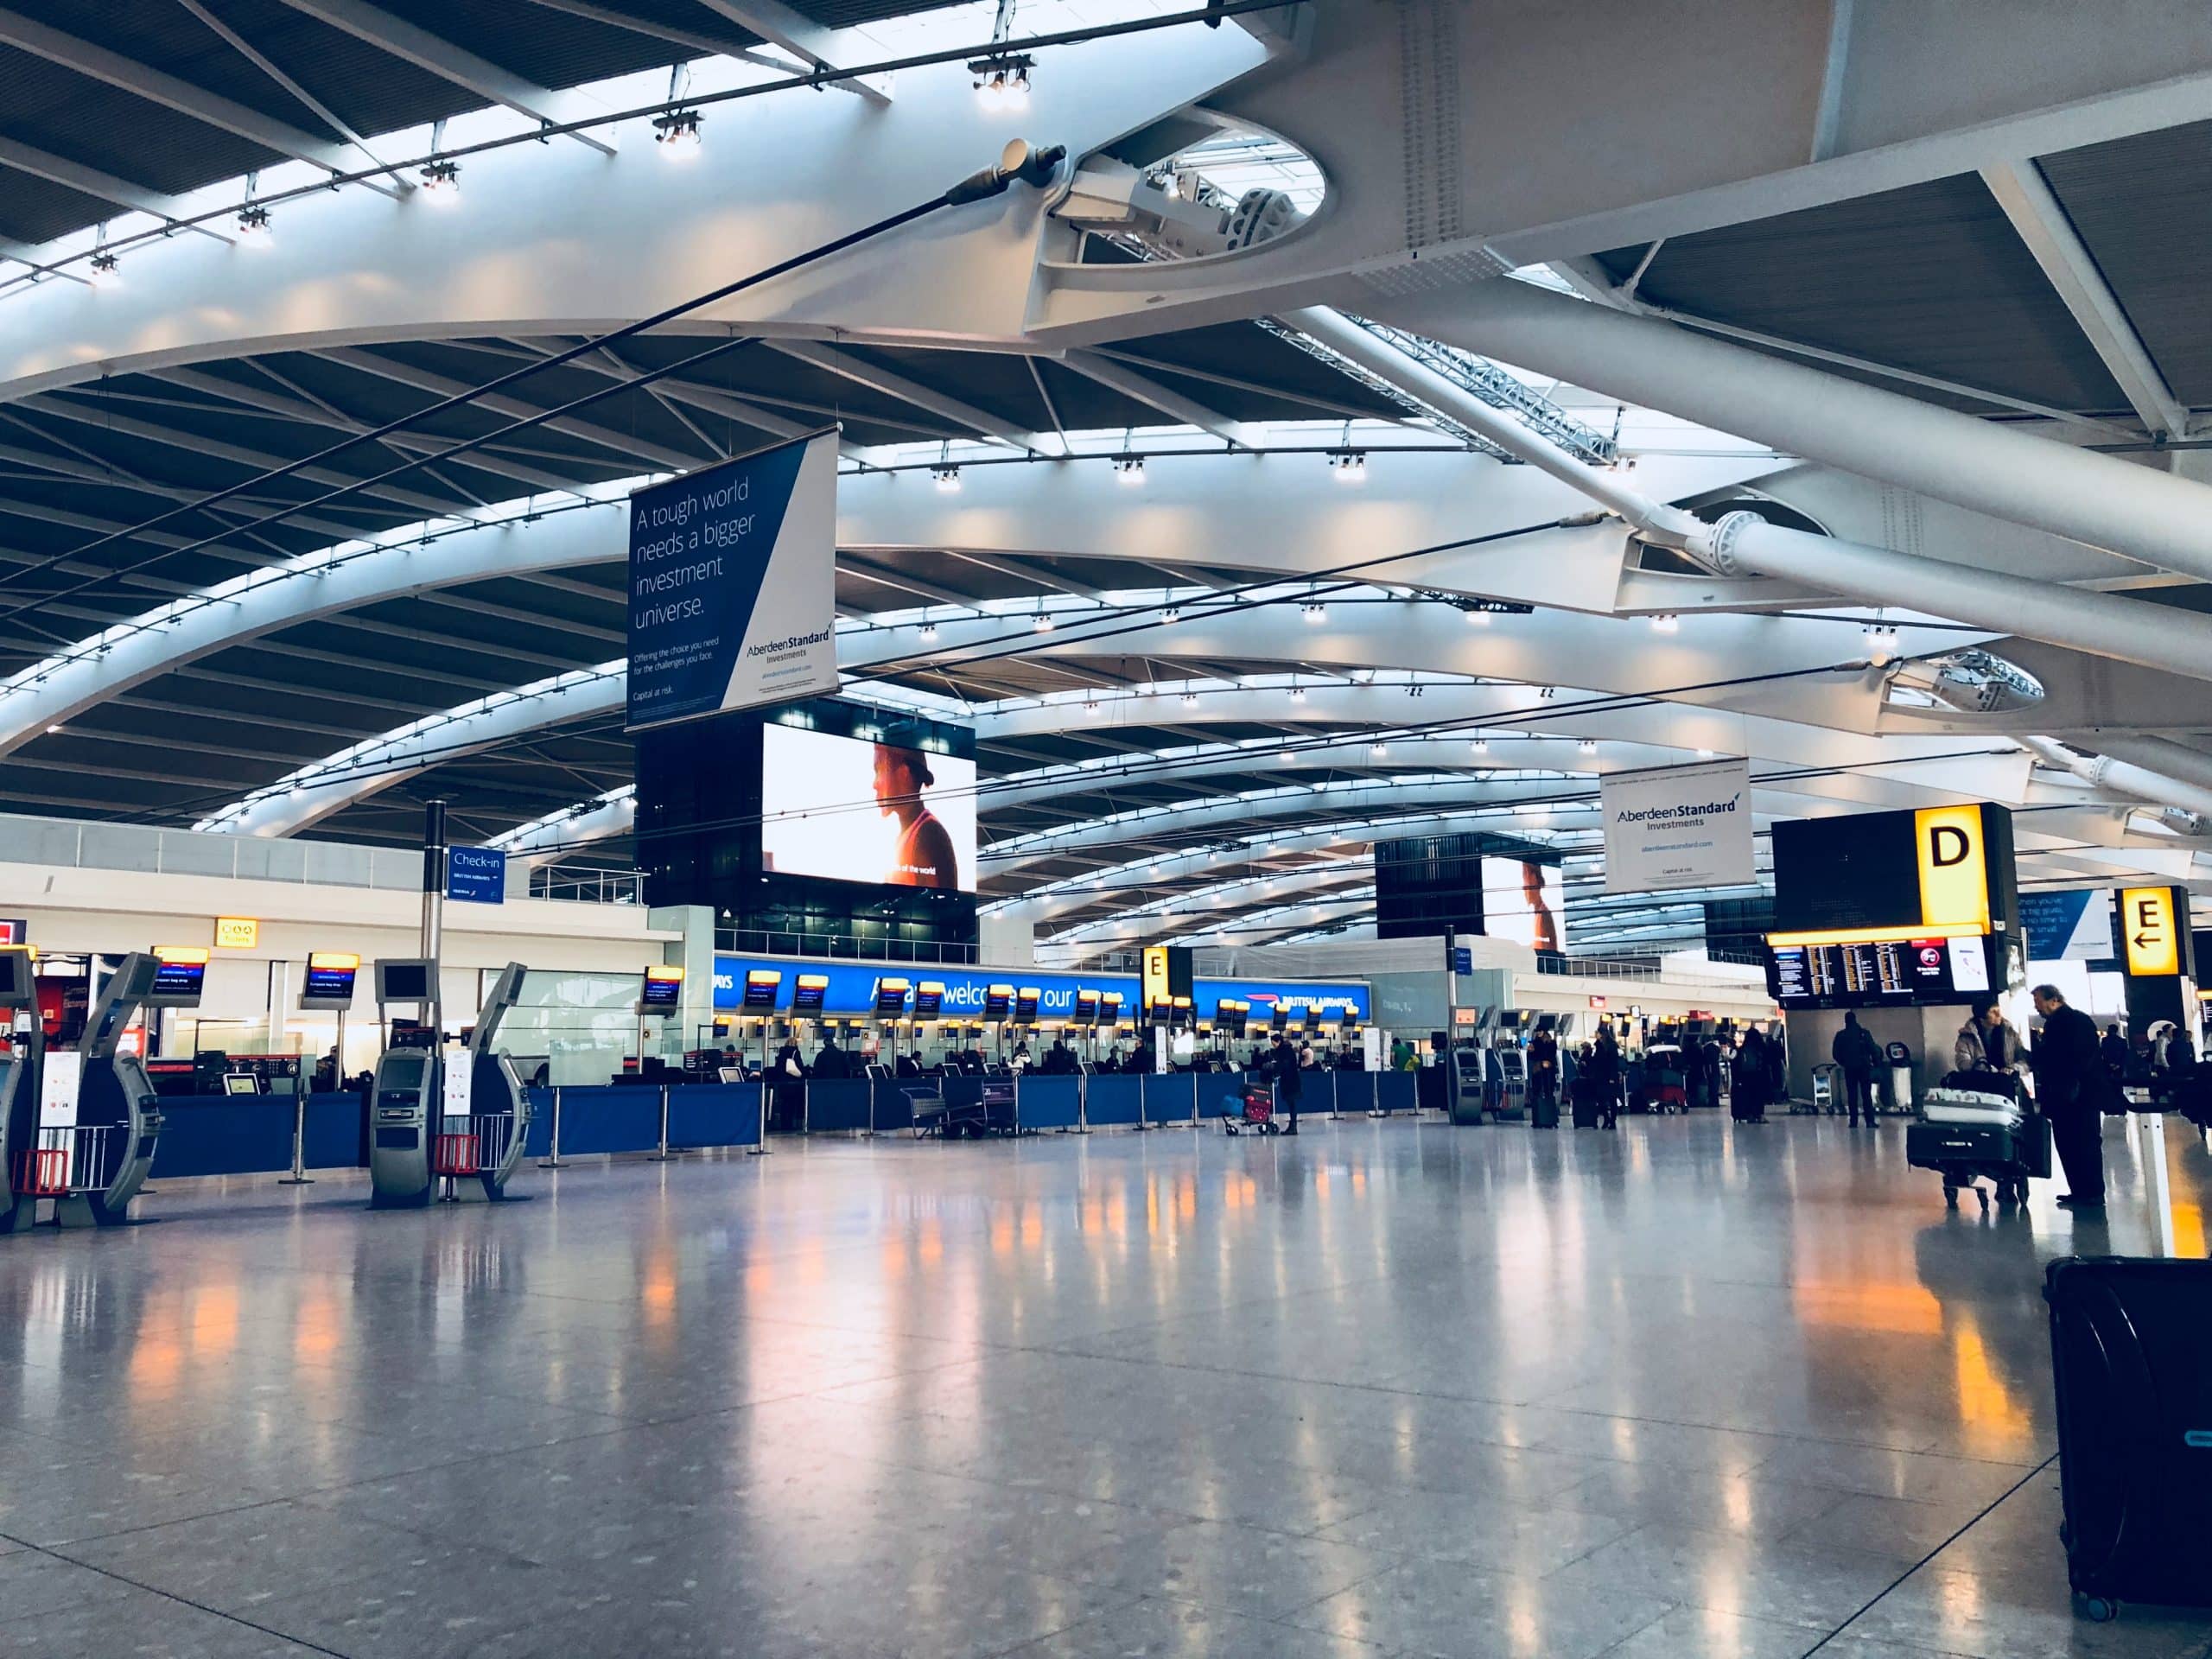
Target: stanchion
{"points": [[1083, 1105], [660, 1151], [553, 1160], [299, 1177], [760, 1148]]}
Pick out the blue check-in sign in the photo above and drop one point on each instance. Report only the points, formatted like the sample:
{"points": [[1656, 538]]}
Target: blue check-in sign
{"points": [[476, 875]]}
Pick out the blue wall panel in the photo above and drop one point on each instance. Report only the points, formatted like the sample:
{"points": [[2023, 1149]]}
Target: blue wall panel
{"points": [[1049, 1102], [1112, 1099]]}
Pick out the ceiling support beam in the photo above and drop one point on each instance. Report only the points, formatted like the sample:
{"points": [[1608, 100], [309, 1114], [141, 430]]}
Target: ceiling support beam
{"points": [[807, 40], [893, 385], [440, 57], [1184, 411], [2040, 221], [91, 182], [142, 80]]}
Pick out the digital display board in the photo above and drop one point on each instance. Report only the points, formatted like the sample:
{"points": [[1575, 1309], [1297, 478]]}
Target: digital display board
{"points": [[1878, 973], [1025, 1005], [929, 999], [891, 995], [403, 980], [1936, 870], [812, 988], [997, 999], [1109, 1008], [1086, 1008], [664, 991], [1228, 1017], [1524, 900], [329, 982], [179, 975], [859, 810], [764, 986]]}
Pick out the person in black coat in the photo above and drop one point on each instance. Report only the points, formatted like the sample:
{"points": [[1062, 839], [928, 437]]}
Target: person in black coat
{"points": [[1748, 1083], [2114, 1051], [1282, 1062], [2071, 1087], [1858, 1054]]}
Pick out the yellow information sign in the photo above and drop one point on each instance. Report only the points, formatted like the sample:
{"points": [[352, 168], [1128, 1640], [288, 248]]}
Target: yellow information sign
{"points": [[1155, 975], [2150, 932], [1954, 868], [237, 932]]}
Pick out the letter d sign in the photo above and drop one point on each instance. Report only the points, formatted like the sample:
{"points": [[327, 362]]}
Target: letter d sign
{"points": [[1953, 873]]}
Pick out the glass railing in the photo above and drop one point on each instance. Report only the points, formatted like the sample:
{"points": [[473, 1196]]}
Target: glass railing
{"points": [[842, 947]]}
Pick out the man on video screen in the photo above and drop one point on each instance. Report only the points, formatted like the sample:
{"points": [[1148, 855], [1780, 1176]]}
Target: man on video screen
{"points": [[923, 855]]}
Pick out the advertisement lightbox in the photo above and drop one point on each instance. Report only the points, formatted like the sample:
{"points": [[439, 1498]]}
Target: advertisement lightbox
{"points": [[854, 810]]}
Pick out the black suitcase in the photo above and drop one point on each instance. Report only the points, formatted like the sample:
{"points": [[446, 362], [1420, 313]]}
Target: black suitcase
{"points": [[1936, 1146], [2131, 1348], [1543, 1113], [1587, 1115]]}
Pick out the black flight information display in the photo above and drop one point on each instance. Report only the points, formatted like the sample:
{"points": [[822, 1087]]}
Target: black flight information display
{"points": [[1878, 973]]}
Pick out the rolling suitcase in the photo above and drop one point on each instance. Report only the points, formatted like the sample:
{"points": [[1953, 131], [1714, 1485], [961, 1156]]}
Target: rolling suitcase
{"points": [[2131, 1348], [1586, 1104], [1543, 1112]]}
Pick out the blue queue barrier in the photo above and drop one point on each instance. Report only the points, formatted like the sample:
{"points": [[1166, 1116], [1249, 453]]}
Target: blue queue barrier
{"points": [[537, 1140], [890, 1111], [713, 1114], [219, 1136], [1319, 1097], [835, 1104], [1171, 1098], [1396, 1091], [332, 1138], [1354, 1093], [1048, 1103], [1111, 1100], [607, 1117]]}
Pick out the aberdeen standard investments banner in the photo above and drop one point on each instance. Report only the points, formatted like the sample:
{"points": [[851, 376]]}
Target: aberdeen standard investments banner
{"points": [[1678, 827], [733, 584]]}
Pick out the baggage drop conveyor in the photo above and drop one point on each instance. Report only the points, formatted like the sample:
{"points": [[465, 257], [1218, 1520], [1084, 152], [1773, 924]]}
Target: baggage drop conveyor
{"points": [[445, 1114]]}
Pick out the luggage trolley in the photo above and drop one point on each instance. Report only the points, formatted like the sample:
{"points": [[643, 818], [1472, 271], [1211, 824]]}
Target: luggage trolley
{"points": [[1976, 1125]]}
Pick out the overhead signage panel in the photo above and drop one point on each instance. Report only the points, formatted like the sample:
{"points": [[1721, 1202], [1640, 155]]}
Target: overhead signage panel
{"points": [[850, 989], [2149, 934], [733, 584], [1954, 867], [1677, 826], [476, 875]]}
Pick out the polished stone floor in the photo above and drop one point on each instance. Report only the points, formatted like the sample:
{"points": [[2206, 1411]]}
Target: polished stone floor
{"points": [[1388, 1388]]}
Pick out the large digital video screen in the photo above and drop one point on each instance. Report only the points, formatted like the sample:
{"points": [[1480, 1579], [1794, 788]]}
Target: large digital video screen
{"points": [[1878, 973], [856, 810], [1523, 900]]}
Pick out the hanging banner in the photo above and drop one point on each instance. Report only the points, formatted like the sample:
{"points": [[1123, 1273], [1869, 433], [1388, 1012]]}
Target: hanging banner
{"points": [[1678, 827], [2072, 924], [733, 584]]}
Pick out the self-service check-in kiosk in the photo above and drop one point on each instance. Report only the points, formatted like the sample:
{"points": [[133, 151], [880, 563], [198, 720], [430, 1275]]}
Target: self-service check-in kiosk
{"points": [[21, 1053], [453, 1113], [83, 1133]]}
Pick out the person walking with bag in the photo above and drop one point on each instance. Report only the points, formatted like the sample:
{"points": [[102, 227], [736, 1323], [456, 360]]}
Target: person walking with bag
{"points": [[2071, 1087], [1288, 1085]]}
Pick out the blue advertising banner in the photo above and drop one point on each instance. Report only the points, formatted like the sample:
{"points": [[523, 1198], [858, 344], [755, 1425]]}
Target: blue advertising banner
{"points": [[852, 989], [2072, 923], [733, 584], [476, 875]]}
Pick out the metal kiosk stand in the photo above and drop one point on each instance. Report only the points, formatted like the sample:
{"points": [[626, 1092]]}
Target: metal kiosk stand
{"points": [[20, 1070], [93, 1167], [460, 1117]]}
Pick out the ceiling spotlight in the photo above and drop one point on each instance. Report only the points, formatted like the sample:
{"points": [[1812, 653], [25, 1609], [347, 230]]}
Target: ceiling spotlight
{"points": [[1480, 746], [1378, 748], [1587, 745], [1041, 623], [948, 478], [103, 271], [1091, 706], [1666, 624], [253, 225], [1171, 614], [929, 630], [441, 182], [1003, 83], [1017, 87], [52, 729], [677, 134], [1349, 465], [1315, 610], [1190, 699], [1298, 694], [1128, 469]]}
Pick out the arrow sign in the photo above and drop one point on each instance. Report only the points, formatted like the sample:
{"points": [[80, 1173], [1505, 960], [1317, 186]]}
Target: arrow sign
{"points": [[2153, 949]]}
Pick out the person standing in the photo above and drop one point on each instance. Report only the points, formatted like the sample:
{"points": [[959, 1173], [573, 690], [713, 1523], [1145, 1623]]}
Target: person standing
{"points": [[1604, 1075], [1288, 1085], [1986, 1042], [1748, 1084], [1543, 1068], [2114, 1051], [1856, 1052], [2070, 1087]]}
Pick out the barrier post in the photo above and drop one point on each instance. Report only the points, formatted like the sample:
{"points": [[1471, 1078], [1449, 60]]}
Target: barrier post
{"points": [[1082, 1103], [299, 1177], [760, 1148], [553, 1160], [660, 1151]]}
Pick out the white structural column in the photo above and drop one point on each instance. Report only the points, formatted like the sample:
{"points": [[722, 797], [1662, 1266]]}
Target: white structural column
{"points": [[2106, 625], [2102, 500], [2107, 772], [2040, 221]]}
